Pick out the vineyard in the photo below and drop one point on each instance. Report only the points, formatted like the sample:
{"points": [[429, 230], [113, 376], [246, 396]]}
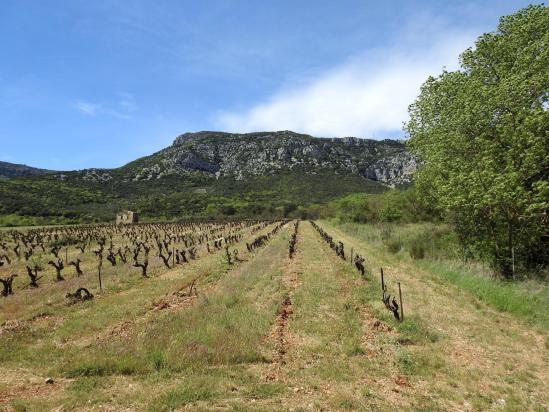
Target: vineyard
{"points": [[248, 315]]}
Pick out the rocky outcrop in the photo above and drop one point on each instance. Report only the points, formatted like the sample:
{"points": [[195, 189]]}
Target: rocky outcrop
{"points": [[239, 156], [253, 154], [97, 175], [393, 171]]}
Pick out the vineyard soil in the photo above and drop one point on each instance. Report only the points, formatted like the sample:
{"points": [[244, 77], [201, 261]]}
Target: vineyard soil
{"points": [[256, 329]]}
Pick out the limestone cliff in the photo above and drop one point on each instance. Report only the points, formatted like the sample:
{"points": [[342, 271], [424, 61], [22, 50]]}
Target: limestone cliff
{"points": [[266, 153]]}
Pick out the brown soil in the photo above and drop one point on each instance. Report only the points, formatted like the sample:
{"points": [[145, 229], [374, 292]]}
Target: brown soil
{"points": [[280, 336]]}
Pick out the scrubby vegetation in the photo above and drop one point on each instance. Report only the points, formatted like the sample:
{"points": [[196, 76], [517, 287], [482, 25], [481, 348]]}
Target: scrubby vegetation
{"points": [[46, 200]]}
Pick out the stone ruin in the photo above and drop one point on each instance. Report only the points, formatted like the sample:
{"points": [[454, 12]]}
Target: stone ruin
{"points": [[126, 217]]}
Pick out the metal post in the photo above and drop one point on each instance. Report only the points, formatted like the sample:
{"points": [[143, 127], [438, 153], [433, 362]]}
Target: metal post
{"points": [[401, 306], [66, 254], [513, 260], [351, 256], [382, 281]]}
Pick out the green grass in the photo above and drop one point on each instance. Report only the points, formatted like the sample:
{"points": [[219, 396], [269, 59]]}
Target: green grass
{"points": [[434, 249], [113, 365], [188, 392], [449, 333], [505, 296], [416, 240], [414, 330]]}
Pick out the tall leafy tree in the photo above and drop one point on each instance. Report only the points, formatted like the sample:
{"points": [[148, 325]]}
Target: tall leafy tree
{"points": [[482, 133]]}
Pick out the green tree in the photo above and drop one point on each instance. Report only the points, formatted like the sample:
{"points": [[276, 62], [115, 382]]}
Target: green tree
{"points": [[482, 133]]}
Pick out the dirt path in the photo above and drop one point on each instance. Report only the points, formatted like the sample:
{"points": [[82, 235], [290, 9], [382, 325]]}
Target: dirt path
{"points": [[280, 337], [331, 357]]}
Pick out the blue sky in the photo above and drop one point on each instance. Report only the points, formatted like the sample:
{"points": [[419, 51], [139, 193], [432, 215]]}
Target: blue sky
{"points": [[100, 83]]}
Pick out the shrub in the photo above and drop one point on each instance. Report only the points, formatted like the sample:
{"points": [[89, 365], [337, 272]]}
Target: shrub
{"points": [[390, 214], [417, 250]]}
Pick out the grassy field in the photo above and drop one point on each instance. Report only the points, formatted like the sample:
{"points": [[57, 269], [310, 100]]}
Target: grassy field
{"points": [[271, 333], [435, 249]]}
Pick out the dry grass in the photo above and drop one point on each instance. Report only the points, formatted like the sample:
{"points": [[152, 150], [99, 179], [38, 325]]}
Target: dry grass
{"points": [[145, 345]]}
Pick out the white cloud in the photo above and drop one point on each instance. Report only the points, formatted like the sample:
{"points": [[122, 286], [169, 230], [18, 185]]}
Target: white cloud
{"points": [[367, 96], [87, 108], [127, 102], [123, 108]]}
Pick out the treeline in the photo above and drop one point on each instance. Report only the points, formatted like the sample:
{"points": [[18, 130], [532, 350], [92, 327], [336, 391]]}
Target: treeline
{"points": [[393, 206]]}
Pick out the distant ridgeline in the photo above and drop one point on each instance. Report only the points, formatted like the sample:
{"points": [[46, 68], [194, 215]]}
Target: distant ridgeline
{"points": [[210, 174], [10, 170]]}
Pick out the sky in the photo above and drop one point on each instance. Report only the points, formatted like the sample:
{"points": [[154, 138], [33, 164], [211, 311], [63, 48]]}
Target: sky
{"points": [[101, 83]]}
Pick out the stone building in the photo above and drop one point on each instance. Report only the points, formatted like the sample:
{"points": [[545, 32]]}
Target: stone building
{"points": [[126, 217]]}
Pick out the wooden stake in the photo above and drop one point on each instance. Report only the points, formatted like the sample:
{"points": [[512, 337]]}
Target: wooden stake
{"points": [[66, 253], [382, 281], [99, 272], [351, 256], [401, 307]]}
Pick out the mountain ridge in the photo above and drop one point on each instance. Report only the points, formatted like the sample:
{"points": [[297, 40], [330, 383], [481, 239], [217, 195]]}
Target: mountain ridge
{"points": [[212, 174], [10, 170], [242, 155]]}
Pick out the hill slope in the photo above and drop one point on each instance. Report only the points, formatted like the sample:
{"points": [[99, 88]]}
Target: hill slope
{"points": [[10, 170], [209, 174]]}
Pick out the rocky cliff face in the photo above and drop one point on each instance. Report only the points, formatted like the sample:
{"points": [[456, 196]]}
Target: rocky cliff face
{"points": [[266, 153], [395, 170]]}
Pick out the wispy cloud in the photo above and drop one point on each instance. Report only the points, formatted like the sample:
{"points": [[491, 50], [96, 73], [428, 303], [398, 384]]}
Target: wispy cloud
{"points": [[127, 102], [122, 108], [366, 96], [87, 108]]}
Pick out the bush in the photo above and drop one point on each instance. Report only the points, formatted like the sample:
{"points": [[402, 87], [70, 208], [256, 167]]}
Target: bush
{"points": [[417, 250], [390, 214], [227, 210], [391, 206]]}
